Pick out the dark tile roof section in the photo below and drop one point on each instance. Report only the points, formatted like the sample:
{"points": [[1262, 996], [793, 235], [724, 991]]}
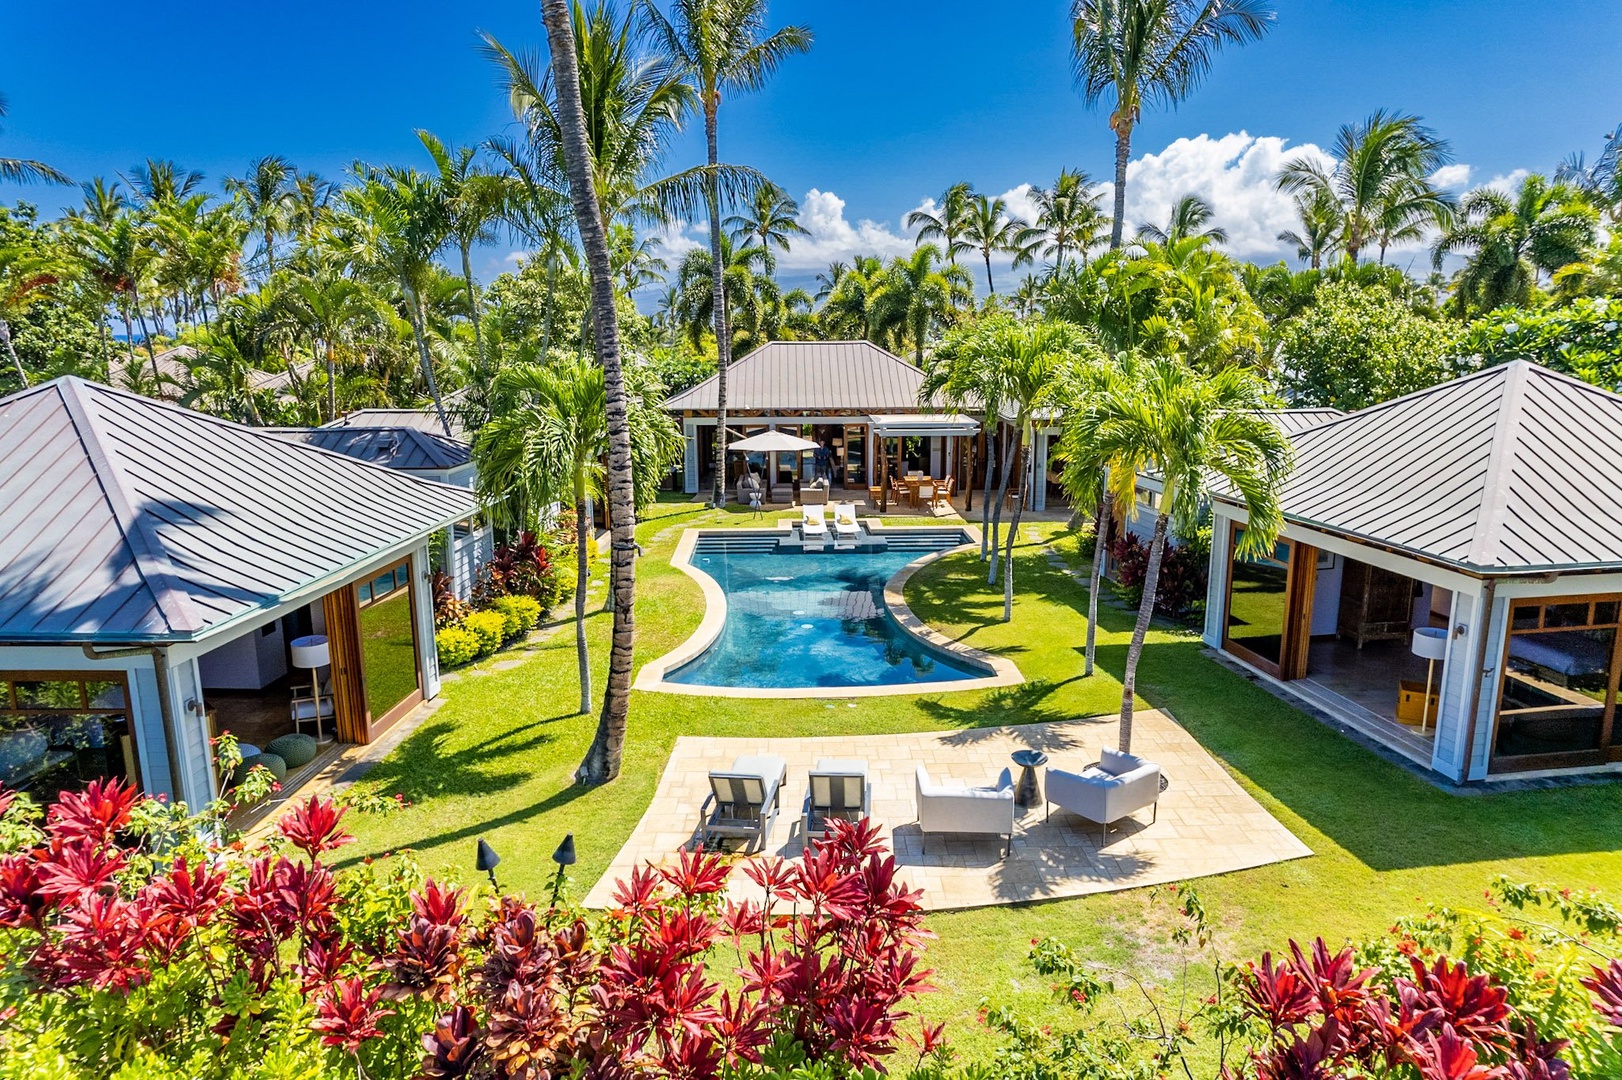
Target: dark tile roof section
{"points": [[392, 447], [832, 377], [124, 519], [1512, 469]]}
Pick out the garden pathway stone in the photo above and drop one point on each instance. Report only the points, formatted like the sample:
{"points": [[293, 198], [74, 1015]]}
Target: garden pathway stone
{"points": [[1207, 823]]}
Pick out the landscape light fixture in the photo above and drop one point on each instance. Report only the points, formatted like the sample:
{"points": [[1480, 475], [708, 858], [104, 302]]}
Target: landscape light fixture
{"points": [[564, 857], [487, 861]]}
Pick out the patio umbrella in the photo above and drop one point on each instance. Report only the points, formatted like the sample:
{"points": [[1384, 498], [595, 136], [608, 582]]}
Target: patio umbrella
{"points": [[773, 441]]}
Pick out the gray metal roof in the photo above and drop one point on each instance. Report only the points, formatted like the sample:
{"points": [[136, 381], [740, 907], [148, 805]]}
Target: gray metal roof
{"points": [[127, 519], [426, 420], [393, 447], [1294, 421], [175, 364], [833, 377], [1513, 469]]}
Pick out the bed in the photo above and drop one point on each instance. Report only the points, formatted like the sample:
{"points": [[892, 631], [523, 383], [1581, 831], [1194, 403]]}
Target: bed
{"points": [[1570, 654]]}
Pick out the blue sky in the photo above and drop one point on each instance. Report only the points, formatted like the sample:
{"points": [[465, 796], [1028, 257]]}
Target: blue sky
{"points": [[895, 102]]}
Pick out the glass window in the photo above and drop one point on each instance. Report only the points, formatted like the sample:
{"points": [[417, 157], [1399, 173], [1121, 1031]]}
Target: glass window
{"points": [[1559, 686], [388, 642], [63, 731], [1257, 602]]}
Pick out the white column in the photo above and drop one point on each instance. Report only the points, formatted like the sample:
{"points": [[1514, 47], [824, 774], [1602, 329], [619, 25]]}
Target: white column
{"points": [[1039, 473], [423, 603], [690, 457]]}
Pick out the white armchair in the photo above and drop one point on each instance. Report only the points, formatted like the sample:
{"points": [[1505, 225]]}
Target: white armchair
{"points": [[1118, 786], [982, 811]]}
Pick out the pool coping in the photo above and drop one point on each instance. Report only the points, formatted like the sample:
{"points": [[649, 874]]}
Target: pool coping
{"points": [[1002, 671]]}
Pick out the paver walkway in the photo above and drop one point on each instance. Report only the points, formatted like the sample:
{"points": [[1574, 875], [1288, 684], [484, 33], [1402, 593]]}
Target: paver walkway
{"points": [[1207, 823]]}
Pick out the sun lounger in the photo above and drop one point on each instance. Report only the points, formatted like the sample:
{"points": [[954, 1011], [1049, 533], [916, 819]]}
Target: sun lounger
{"points": [[743, 800], [845, 520], [838, 788], [814, 521]]}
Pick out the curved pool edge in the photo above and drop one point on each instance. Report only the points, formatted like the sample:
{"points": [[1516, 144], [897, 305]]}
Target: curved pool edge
{"points": [[651, 677]]}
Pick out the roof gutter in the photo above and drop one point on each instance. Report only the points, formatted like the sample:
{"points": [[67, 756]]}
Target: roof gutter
{"points": [[166, 702]]}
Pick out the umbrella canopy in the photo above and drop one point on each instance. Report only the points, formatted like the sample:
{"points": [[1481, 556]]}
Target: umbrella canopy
{"points": [[773, 441]]}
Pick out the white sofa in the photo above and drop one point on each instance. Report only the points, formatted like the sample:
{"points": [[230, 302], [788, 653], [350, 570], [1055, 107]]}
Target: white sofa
{"points": [[1118, 786], [981, 811]]}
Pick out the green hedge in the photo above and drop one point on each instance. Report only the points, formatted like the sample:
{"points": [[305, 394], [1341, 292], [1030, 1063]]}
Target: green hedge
{"points": [[489, 627], [456, 646], [520, 614]]}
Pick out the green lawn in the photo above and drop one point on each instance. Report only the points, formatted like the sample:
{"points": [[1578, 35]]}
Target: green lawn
{"points": [[494, 761]]}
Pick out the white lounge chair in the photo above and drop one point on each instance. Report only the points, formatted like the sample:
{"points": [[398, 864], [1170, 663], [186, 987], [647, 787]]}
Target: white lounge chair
{"points": [[982, 811], [743, 800], [1117, 786], [837, 788], [814, 521], [845, 520]]}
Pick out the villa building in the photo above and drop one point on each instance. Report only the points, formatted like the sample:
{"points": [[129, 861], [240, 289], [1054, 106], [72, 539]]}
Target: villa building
{"points": [[1448, 581], [156, 566]]}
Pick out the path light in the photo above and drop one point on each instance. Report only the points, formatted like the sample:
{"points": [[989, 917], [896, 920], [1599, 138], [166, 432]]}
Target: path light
{"points": [[487, 861], [564, 857]]}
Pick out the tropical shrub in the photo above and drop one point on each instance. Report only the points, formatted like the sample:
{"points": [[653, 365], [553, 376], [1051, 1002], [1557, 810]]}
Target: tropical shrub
{"points": [[489, 627], [1356, 347], [448, 609], [456, 646], [523, 568], [521, 614], [218, 959], [1582, 339], [1184, 571]]}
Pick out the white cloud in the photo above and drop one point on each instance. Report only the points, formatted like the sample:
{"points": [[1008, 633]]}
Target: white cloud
{"points": [[677, 238], [833, 238], [1452, 177], [1509, 182], [518, 258], [1021, 207]]}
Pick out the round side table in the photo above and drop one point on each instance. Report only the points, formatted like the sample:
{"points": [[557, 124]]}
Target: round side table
{"points": [[1028, 792]]}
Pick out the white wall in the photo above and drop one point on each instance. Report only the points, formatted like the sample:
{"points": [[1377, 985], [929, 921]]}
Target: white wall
{"points": [[1326, 598], [249, 661]]}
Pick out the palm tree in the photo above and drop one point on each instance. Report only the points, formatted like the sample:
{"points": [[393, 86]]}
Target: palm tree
{"points": [[1379, 178], [1188, 217], [847, 307], [753, 297], [914, 294], [1030, 363], [391, 225], [331, 311], [1510, 241], [266, 196], [1068, 218], [118, 261], [1321, 224], [946, 223], [602, 761], [723, 46], [988, 228], [768, 220], [960, 372], [1601, 182], [1160, 416], [26, 275], [1152, 52], [26, 171], [546, 444], [475, 201]]}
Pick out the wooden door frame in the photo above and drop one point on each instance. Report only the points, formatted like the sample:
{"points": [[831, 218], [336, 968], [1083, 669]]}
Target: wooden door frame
{"points": [[1295, 636]]}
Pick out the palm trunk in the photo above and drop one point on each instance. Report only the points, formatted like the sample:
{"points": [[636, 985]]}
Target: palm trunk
{"points": [[996, 511], [1095, 578], [419, 329], [990, 286], [985, 501], [551, 298], [602, 761], [270, 251], [1024, 458], [1146, 610], [718, 303], [129, 335], [151, 353], [473, 304], [1123, 153], [11, 351], [332, 385], [582, 531]]}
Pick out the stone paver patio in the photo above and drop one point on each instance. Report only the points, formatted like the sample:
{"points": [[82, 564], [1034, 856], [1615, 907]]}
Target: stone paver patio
{"points": [[1207, 823]]}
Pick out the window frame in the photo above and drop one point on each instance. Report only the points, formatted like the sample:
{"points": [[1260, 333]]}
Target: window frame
{"points": [[10, 707], [1497, 763]]}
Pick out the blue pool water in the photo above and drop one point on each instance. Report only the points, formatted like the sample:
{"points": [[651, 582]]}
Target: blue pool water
{"points": [[798, 619]]}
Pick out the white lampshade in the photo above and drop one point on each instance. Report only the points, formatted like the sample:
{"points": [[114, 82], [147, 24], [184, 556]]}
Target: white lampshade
{"points": [[1430, 643], [311, 652]]}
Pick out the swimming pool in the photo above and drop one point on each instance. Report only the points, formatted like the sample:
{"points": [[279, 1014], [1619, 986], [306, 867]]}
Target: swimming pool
{"points": [[816, 618]]}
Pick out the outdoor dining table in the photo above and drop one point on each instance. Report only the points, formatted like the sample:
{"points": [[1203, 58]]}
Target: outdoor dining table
{"points": [[912, 488]]}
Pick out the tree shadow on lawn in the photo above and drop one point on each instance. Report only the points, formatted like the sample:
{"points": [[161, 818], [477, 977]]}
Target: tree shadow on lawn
{"points": [[1381, 813], [1007, 706], [421, 768]]}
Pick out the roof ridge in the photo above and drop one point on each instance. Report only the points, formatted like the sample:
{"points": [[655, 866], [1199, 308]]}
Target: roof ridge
{"points": [[1500, 462], [151, 560], [1381, 406]]}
